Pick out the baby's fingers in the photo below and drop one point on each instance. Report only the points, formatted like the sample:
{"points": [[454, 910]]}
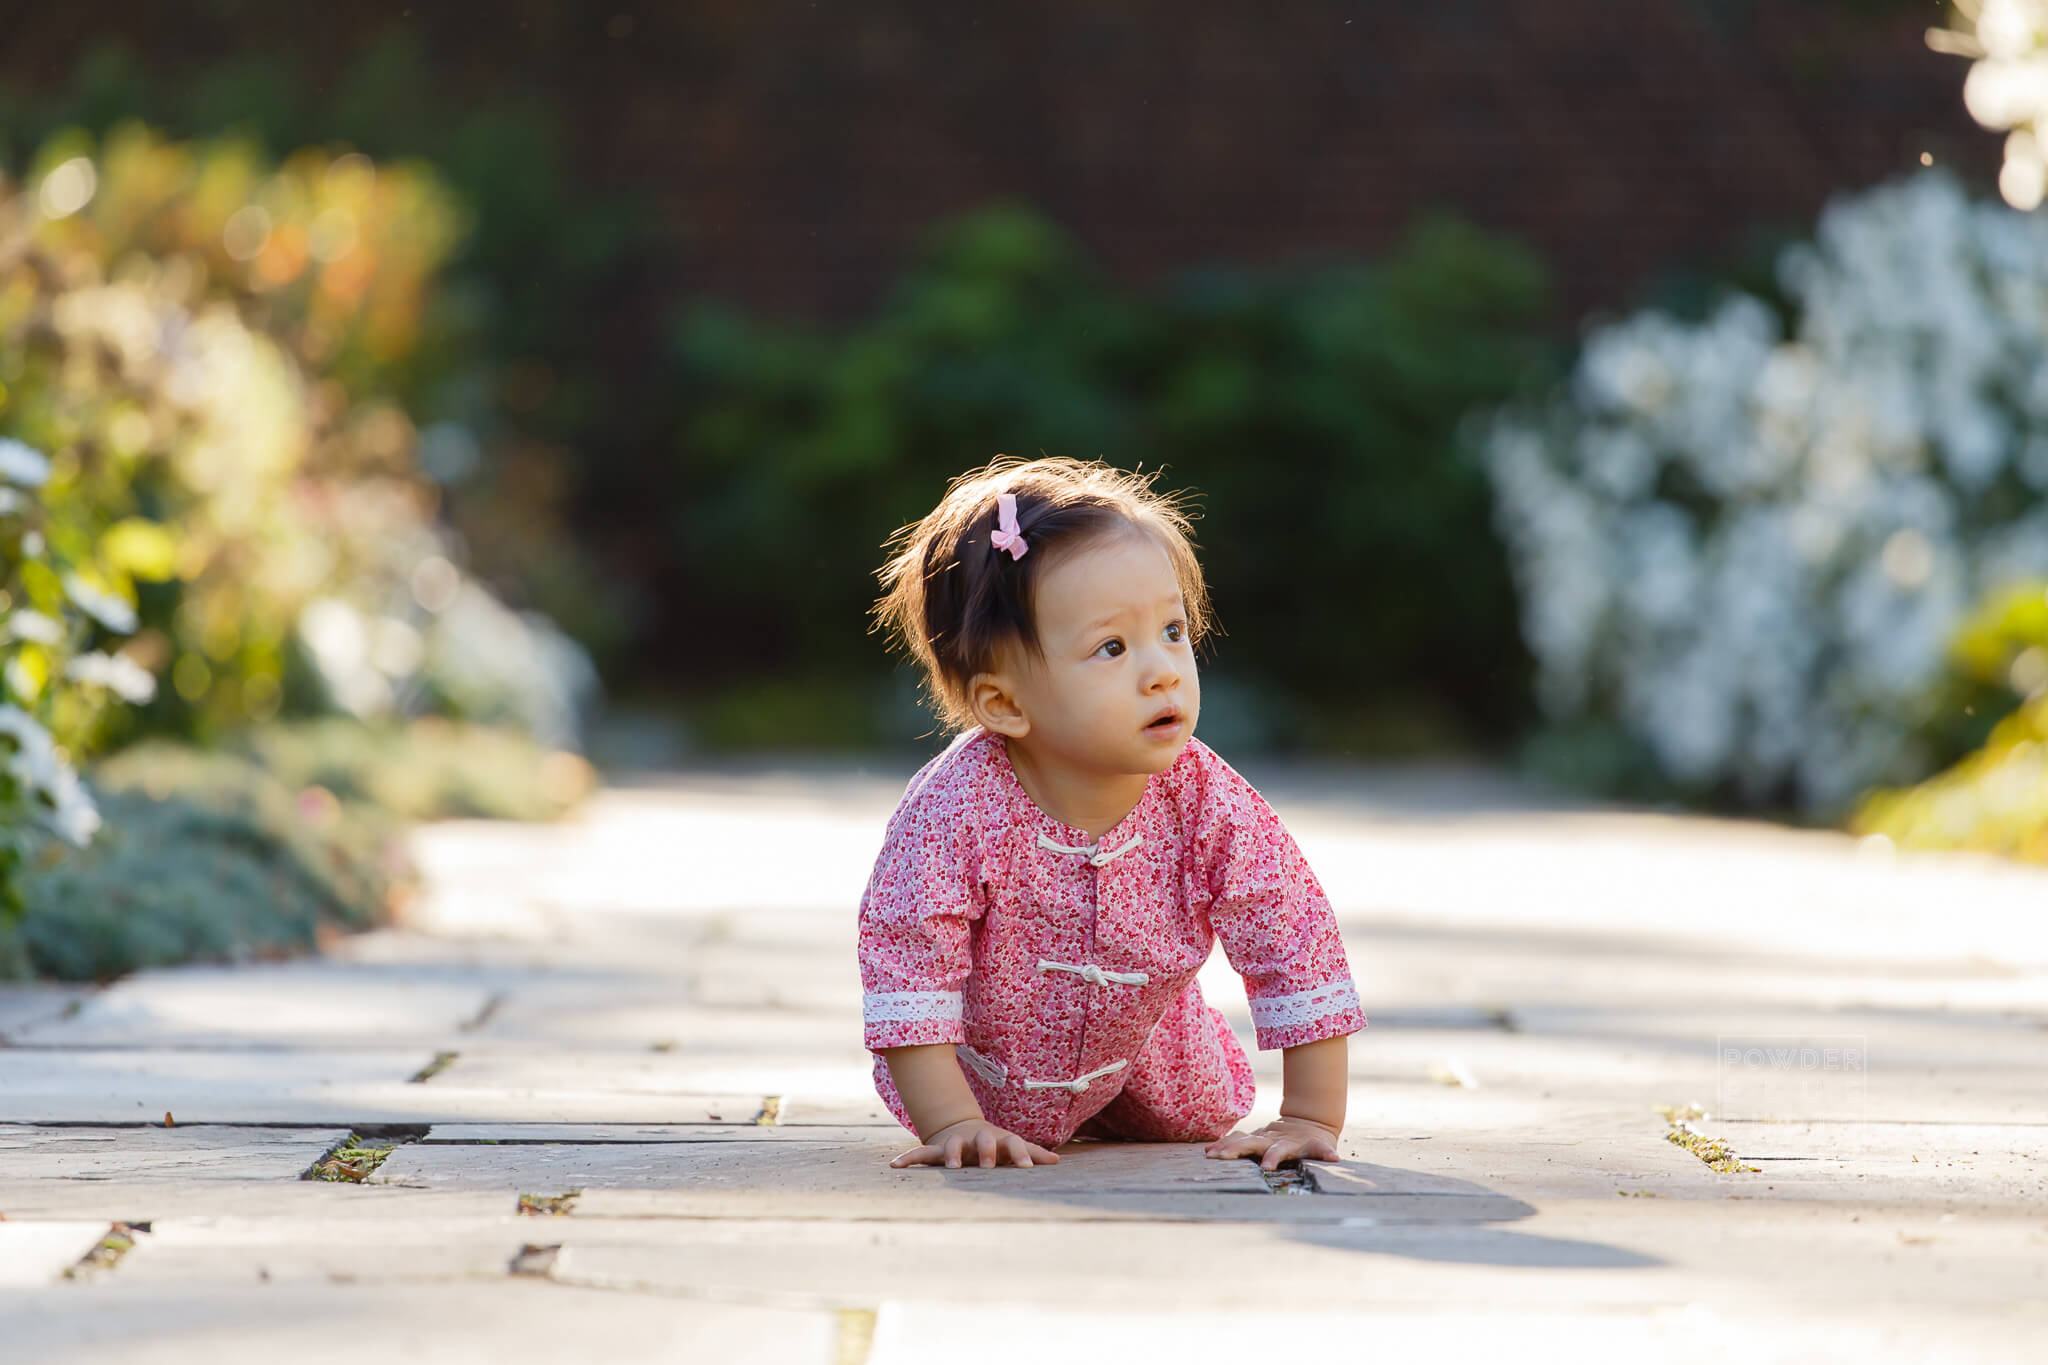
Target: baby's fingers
{"points": [[925, 1155], [1282, 1149], [1237, 1144]]}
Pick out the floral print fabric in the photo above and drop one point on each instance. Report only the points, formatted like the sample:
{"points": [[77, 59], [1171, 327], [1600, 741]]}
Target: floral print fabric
{"points": [[1063, 969]]}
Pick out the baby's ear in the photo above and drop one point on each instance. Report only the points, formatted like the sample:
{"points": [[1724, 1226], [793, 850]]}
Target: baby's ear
{"points": [[994, 704]]}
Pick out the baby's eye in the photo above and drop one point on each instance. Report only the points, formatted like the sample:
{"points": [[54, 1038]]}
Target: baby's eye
{"points": [[1175, 631], [1109, 649]]}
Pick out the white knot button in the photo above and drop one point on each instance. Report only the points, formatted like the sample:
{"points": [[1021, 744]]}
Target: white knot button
{"points": [[1097, 855], [1078, 1085], [1093, 974]]}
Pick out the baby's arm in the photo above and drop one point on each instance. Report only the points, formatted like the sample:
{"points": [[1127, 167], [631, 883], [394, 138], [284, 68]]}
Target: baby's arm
{"points": [[948, 1120], [1315, 1079]]}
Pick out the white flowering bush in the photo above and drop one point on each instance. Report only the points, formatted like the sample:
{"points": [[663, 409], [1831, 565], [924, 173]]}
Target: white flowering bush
{"points": [[1750, 549], [2007, 87], [49, 614]]}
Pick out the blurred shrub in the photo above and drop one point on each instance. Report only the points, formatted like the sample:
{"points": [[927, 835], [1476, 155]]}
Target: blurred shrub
{"points": [[57, 618], [1314, 409], [292, 831], [201, 341], [1743, 551], [475, 317], [203, 856], [1994, 800], [430, 769]]}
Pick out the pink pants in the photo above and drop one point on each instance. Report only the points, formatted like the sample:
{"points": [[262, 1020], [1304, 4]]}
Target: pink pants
{"points": [[1189, 1083], [1192, 1081]]}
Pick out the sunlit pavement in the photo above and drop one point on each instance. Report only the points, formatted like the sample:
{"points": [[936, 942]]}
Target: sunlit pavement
{"points": [[657, 1007]]}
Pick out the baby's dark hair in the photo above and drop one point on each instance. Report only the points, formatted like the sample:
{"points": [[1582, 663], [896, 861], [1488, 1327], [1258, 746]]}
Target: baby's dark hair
{"points": [[953, 600]]}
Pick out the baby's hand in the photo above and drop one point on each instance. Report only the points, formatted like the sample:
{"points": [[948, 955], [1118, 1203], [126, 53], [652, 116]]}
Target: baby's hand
{"points": [[1281, 1140], [993, 1144]]}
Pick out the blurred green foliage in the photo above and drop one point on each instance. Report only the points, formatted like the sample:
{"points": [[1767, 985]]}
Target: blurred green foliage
{"points": [[502, 344], [1315, 409], [202, 856], [1993, 801], [1995, 798], [210, 462], [290, 832], [430, 769]]}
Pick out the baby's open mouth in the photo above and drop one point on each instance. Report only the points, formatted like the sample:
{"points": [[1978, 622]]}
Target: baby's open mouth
{"points": [[1165, 722]]}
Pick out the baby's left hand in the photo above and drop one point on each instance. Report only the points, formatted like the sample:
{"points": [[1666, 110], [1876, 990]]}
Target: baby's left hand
{"points": [[1281, 1140]]}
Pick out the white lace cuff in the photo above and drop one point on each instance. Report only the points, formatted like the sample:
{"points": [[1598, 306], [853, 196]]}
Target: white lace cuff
{"points": [[1304, 1007], [897, 1007]]}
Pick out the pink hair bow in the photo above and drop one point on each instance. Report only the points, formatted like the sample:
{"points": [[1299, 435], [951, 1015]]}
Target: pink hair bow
{"points": [[1006, 536]]}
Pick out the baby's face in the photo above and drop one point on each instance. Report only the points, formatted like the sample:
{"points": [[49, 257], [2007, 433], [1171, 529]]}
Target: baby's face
{"points": [[1116, 691]]}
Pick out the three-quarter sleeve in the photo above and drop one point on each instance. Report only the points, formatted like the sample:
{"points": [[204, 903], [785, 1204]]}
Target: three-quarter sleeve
{"points": [[1275, 923], [915, 918]]}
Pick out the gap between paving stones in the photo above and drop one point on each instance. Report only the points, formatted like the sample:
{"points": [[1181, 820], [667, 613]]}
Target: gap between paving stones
{"points": [[353, 1159], [491, 1006], [107, 1252], [409, 1132]]}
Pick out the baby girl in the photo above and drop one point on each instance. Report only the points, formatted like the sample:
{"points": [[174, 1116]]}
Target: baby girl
{"points": [[1052, 882]]}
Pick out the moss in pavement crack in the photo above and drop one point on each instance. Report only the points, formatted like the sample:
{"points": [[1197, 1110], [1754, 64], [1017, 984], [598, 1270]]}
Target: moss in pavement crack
{"points": [[352, 1161], [107, 1252], [1713, 1151], [547, 1205]]}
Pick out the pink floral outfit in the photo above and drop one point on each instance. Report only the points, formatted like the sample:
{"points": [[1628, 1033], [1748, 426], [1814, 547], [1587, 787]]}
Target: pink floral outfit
{"points": [[1063, 970]]}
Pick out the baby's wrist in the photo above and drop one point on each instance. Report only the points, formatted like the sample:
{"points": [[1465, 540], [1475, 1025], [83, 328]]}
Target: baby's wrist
{"points": [[1333, 1129], [952, 1123]]}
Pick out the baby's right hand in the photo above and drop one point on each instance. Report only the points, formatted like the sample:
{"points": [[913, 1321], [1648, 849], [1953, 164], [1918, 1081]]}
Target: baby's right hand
{"points": [[948, 1144]]}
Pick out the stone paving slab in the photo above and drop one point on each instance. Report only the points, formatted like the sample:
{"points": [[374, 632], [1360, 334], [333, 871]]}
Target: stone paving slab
{"points": [[181, 1153], [1711, 882], [1679, 1333], [636, 1133], [801, 1110], [228, 1250], [507, 1322], [1407, 966], [1588, 1155], [258, 1086], [1594, 1254], [126, 1086], [301, 1004], [26, 1004], [287, 1201], [1483, 869], [810, 1167], [632, 1012], [1004, 1204], [2007, 1164], [33, 1253], [829, 1073], [1993, 1070]]}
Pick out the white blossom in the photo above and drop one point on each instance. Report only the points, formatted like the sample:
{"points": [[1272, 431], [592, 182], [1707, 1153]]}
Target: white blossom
{"points": [[117, 673], [104, 607], [41, 772], [31, 625], [1752, 549], [23, 464]]}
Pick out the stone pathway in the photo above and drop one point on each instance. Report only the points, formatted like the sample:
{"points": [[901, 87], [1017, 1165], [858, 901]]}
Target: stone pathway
{"points": [[617, 1066]]}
